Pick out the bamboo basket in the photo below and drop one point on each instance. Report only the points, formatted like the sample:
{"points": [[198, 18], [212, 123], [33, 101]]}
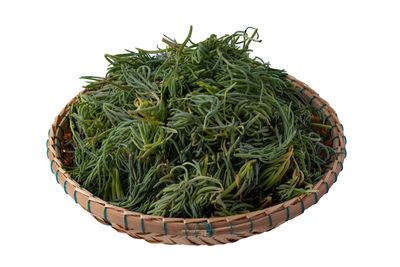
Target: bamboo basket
{"points": [[198, 231]]}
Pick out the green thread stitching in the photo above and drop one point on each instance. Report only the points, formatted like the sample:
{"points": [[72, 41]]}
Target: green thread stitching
{"points": [[233, 233], [326, 119], [195, 230], [58, 146], [125, 222], [65, 187], [316, 197], [288, 214], [327, 187], [312, 99], [105, 216], [51, 166], [62, 130], [208, 229], [333, 126], [57, 176], [142, 224], [57, 138], [251, 225]]}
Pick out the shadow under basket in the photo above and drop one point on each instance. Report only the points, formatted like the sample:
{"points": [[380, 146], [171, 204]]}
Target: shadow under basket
{"points": [[198, 231]]}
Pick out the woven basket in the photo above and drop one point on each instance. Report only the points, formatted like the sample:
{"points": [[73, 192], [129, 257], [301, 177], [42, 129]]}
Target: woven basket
{"points": [[198, 231]]}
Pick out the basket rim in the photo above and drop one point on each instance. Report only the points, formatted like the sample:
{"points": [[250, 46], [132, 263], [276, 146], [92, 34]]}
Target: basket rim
{"points": [[139, 224]]}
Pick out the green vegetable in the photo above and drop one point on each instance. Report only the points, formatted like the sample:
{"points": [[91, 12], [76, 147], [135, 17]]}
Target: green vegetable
{"points": [[196, 130]]}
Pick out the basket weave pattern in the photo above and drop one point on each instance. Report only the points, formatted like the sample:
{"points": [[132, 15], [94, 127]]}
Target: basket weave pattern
{"points": [[198, 231]]}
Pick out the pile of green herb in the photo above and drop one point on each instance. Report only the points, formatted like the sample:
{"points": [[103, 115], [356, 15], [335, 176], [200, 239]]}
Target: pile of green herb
{"points": [[196, 130]]}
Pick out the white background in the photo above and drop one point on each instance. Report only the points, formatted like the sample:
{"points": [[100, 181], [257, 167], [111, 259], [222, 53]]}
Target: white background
{"points": [[348, 51]]}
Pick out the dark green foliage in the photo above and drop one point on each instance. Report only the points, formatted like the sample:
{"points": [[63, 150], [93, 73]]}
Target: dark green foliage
{"points": [[196, 130]]}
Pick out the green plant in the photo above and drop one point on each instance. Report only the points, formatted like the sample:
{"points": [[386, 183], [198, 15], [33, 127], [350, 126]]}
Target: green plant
{"points": [[196, 130]]}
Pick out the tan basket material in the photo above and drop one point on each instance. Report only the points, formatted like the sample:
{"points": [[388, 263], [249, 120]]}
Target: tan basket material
{"points": [[199, 231]]}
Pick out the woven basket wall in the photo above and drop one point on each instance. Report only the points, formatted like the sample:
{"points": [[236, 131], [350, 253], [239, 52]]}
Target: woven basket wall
{"points": [[199, 231]]}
